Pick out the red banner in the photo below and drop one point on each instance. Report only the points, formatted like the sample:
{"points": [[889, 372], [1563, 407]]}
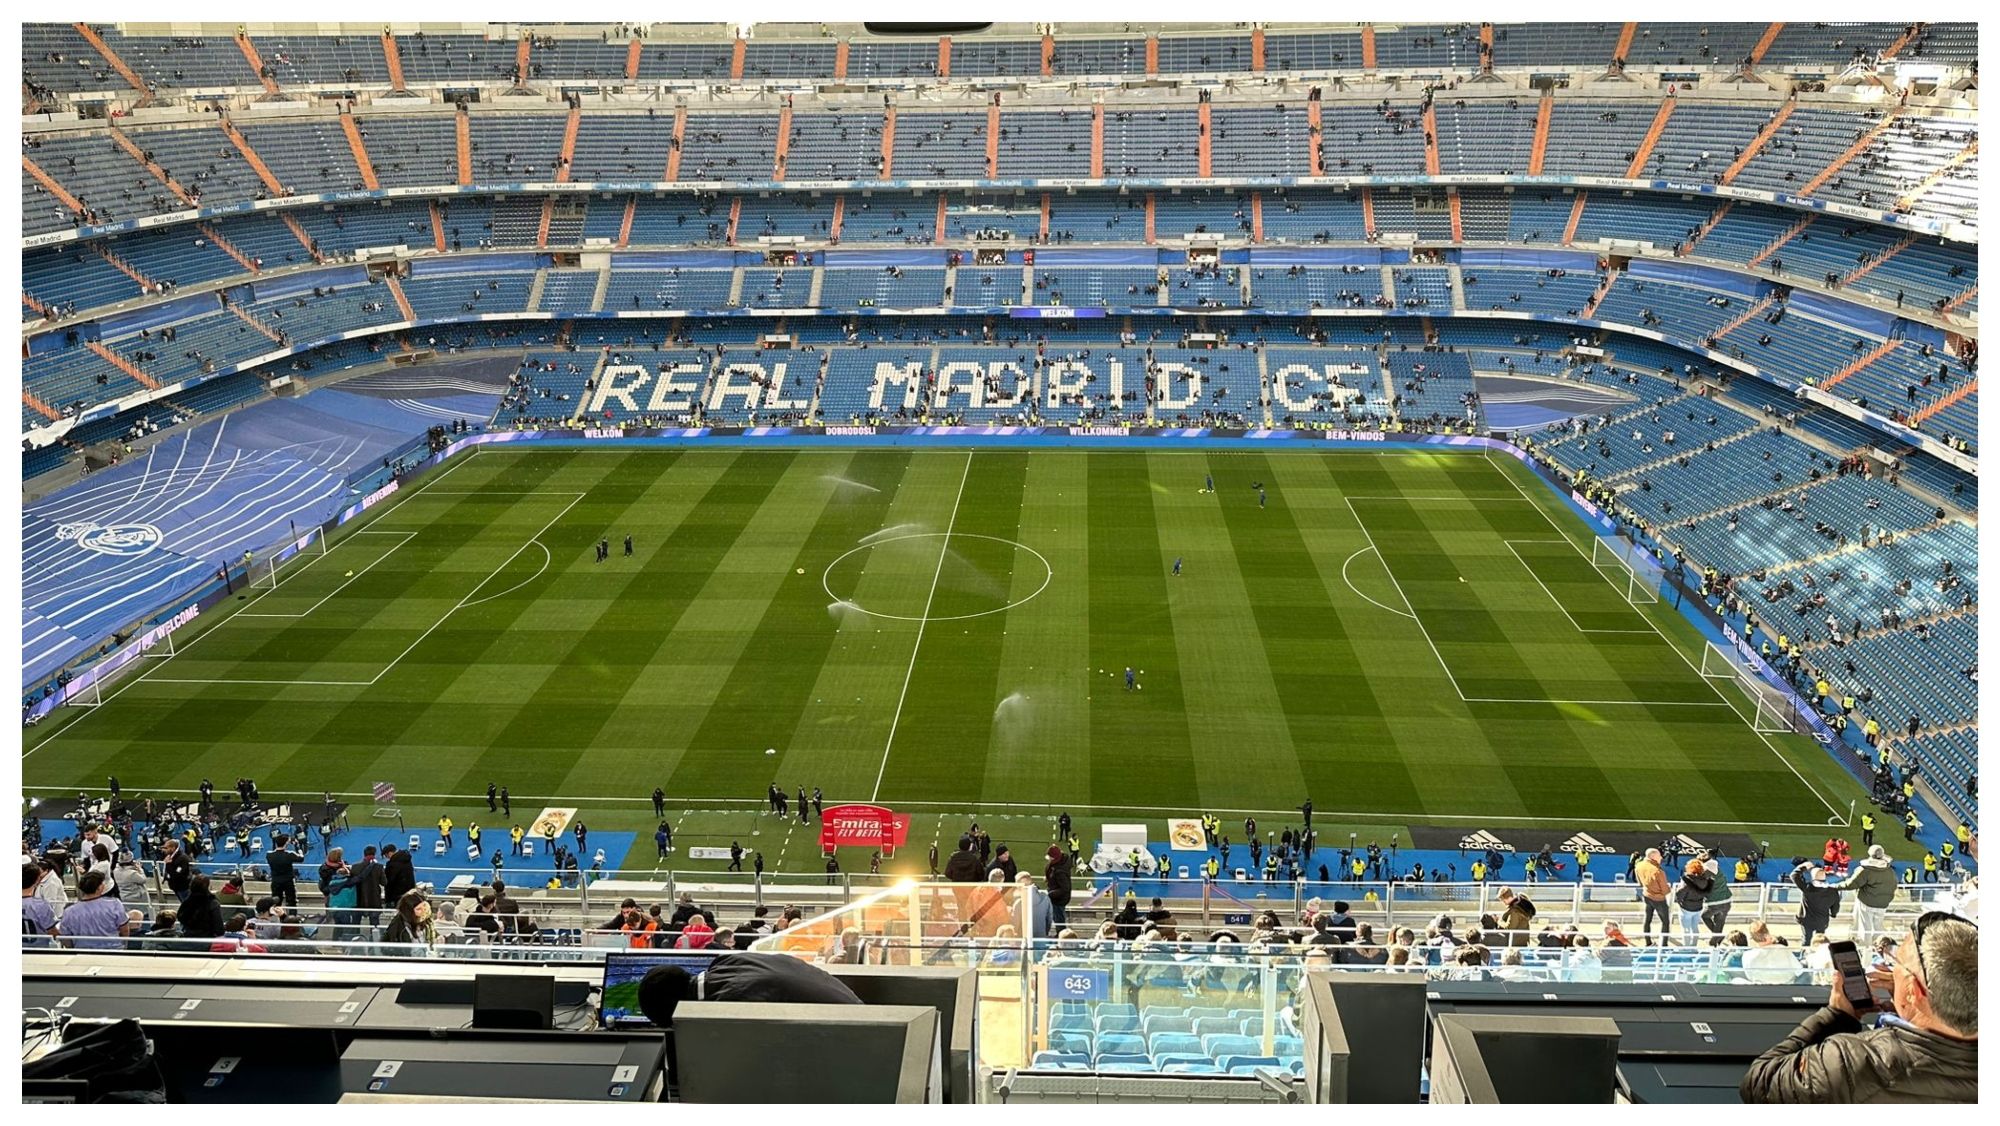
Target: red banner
{"points": [[862, 826]]}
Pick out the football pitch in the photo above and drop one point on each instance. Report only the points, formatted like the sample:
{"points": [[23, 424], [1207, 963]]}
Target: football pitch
{"points": [[1405, 636]]}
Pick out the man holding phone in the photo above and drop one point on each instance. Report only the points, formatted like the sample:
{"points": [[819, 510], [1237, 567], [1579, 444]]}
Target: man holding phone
{"points": [[1910, 1035]]}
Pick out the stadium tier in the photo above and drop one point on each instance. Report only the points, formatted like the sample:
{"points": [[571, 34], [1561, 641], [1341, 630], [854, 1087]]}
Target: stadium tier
{"points": [[1104, 438]]}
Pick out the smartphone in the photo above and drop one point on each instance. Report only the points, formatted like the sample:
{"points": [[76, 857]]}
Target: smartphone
{"points": [[1853, 975]]}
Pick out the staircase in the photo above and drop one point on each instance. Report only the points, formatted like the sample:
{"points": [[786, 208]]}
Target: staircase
{"points": [[1869, 266], [1694, 447], [256, 62], [126, 268], [1575, 217], [1757, 143], [49, 182], [1853, 150], [360, 151], [1707, 225], [1964, 295], [299, 232], [1909, 198], [1645, 150], [1431, 157], [132, 150], [1959, 393], [464, 149], [402, 302], [244, 316], [222, 244], [888, 141], [784, 146], [603, 284], [1597, 298], [1873, 354], [1757, 309], [1792, 232], [250, 156], [122, 364], [394, 57], [39, 407], [117, 64], [535, 290], [1543, 114], [568, 145]]}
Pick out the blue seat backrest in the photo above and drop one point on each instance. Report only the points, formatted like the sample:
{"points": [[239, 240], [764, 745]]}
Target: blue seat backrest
{"points": [[1211, 1026], [1120, 1043], [1118, 1022], [1230, 1044], [1175, 1043]]}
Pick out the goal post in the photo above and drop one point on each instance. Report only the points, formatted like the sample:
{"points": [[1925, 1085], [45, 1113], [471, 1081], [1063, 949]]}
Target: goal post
{"points": [[1630, 568], [288, 560], [1763, 706]]}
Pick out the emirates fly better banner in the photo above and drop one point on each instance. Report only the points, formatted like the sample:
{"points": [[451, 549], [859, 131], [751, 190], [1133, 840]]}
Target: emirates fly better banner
{"points": [[862, 826]]}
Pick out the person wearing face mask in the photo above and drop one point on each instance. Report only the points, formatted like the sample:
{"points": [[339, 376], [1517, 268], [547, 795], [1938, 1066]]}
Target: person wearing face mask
{"points": [[411, 925]]}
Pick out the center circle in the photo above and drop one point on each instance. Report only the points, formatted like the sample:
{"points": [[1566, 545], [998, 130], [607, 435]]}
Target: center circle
{"points": [[954, 577]]}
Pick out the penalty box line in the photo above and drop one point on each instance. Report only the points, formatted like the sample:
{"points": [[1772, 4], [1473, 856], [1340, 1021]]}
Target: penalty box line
{"points": [[399, 545], [1453, 677], [467, 600], [1529, 567], [1833, 811]]}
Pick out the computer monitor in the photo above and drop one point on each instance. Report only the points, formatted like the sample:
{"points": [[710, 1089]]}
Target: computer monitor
{"points": [[618, 1006]]}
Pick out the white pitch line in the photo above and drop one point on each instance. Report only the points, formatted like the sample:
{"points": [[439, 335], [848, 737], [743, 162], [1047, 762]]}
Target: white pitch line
{"points": [[943, 550], [407, 537], [1402, 594], [1580, 628], [1364, 594], [1832, 810], [1037, 807]]}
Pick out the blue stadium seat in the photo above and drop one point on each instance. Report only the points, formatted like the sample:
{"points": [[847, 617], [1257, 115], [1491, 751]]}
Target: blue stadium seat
{"points": [[1174, 1043], [1231, 1044], [1072, 1042], [1064, 1060], [1120, 1044], [1218, 1026]]}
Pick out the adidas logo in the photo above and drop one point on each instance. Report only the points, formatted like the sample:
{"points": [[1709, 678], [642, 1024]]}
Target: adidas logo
{"points": [[1689, 844], [1482, 840], [1587, 843]]}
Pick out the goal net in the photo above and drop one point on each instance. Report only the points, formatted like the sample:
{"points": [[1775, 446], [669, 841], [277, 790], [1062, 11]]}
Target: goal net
{"points": [[1762, 705], [1630, 568], [288, 560]]}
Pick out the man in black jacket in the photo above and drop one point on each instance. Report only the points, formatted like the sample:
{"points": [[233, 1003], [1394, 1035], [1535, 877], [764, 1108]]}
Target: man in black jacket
{"points": [[963, 866], [399, 873], [1060, 880], [179, 869], [1818, 903], [367, 880], [284, 871]]}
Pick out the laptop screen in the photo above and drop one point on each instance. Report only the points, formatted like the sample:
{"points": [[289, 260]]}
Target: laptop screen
{"points": [[623, 970]]}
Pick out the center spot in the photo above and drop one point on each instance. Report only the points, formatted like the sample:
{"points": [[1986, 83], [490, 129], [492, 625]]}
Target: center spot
{"points": [[975, 575]]}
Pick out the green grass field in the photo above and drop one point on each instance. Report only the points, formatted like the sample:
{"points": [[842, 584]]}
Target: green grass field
{"points": [[1403, 636]]}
